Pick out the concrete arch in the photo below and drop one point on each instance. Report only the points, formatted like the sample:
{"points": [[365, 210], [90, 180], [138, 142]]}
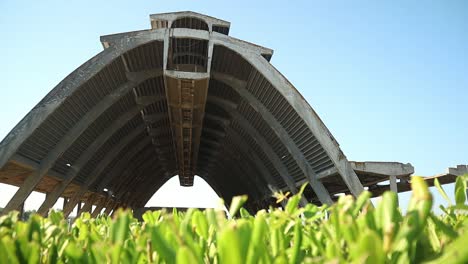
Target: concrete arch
{"points": [[239, 87], [244, 68], [192, 22], [275, 159], [106, 161], [247, 151]]}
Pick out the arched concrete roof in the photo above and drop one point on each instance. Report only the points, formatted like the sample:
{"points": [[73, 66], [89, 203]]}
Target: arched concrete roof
{"points": [[176, 99]]}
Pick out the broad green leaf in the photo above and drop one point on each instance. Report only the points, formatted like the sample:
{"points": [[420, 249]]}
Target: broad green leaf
{"points": [[236, 203], [184, 256], [369, 249], [229, 245], [200, 224], [442, 191], [296, 254], [460, 191], [456, 253], [162, 246], [293, 203], [256, 244]]}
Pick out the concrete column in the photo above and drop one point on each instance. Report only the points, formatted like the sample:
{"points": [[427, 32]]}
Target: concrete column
{"points": [[393, 184], [109, 208], [21, 211], [88, 205], [78, 207], [65, 201], [97, 210]]}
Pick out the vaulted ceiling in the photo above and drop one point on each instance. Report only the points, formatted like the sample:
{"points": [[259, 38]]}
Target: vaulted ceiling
{"points": [[182, 98]]}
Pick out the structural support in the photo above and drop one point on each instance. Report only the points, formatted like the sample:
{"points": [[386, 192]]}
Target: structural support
{"points": [[87, 155], [79, 205], [246, 150], [66, 141], [133, 174], [21, 211], [393, 183], [247, 183], [78, 77], [273, 126], [87, 207], [110, 206], [65, 201], [100, 169], [312, 120], [266, 147], [281, 133], [104, 163], [119, 168], [98, 209], [114, 155], [145, 187]]}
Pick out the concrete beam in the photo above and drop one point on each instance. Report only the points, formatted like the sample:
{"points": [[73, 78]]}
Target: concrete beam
{"points": [[63, 90], [111, 155], [146, 188], [214, 132], [58, 190], [147, 100], [130, 176], [393, 183], [41, 111], [459, 170], [123, 163], [383, 168], [264, 145], [120, 44], [79, 205], [312, 120], [87, 207], [145, 36], [171, 17], [281, 133], [117, 45], [86, 156], [240, 172], [98, 209], [66, 141], [153, 118], [245, 149], [110, 206]]}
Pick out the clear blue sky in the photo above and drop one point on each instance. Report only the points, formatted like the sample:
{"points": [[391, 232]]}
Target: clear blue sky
{"points": [[390, 80]]}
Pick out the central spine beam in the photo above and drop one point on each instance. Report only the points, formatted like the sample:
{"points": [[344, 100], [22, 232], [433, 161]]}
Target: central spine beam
{"points": [[186, 79], [186, 100]]}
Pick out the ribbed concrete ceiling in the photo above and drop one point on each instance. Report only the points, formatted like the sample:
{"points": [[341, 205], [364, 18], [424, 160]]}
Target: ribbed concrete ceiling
{"points": [[182, 98]]}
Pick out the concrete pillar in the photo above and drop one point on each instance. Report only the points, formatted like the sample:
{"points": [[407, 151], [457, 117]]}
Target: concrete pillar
{"points": [[97, 210], [109, 208], [393, 184], [21, 211], [65, 201], [78, 207]]}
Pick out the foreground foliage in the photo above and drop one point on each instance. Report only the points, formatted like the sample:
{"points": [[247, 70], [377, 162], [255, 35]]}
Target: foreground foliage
{"points": [[351, 231]]}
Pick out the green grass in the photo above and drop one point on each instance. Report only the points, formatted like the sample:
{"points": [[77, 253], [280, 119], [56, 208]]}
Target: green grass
{"points": [[350, 231]]}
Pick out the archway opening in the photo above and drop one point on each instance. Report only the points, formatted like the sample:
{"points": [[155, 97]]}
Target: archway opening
{"points": [[171, 194]]}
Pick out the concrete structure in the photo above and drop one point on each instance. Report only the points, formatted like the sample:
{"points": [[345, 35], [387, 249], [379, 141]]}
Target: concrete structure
{"points": [[182, 98]]}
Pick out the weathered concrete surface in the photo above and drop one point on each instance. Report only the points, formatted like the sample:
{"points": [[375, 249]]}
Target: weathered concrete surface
{"points": [[185, 60], [383, 168], [404, 185]]}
